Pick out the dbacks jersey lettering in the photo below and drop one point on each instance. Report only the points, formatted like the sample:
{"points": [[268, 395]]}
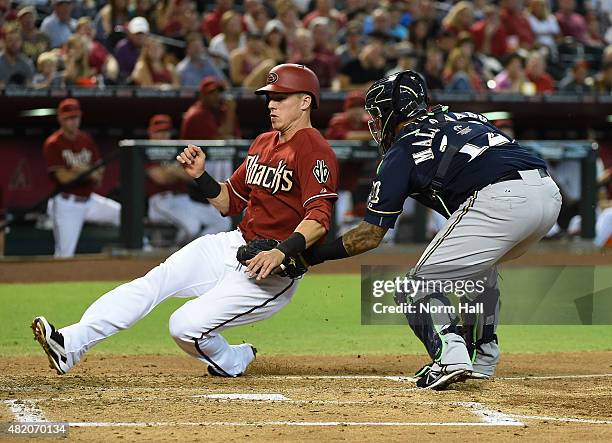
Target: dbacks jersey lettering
{"points": [[280, 184], [61, 152]]}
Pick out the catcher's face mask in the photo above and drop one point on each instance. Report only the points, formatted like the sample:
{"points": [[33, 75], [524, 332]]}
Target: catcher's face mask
{"points": [[375, 123]]}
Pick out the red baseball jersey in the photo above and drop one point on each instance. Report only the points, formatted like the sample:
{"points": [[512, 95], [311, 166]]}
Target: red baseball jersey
{"points": [[340, 126], [61, 152], [281, 184], [200, 123]]}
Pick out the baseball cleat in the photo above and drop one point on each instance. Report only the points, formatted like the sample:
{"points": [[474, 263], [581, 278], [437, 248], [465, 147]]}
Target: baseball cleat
{"points": [[424, 370], [52, 343], [439, 381], [478, 376], [217, 373]]}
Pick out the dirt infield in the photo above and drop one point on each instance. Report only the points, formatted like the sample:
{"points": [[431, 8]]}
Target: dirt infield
{"points": [[365, 398]]}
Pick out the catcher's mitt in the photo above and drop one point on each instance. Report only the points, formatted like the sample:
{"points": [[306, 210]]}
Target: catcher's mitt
{"points": [[292, 267]]}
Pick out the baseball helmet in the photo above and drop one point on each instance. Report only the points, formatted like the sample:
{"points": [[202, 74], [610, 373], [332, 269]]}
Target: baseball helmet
{"points": [[391, 100], [291, 78]]}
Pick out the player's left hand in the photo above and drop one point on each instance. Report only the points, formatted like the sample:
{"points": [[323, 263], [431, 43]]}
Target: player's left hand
{"points": [[264, 263]]}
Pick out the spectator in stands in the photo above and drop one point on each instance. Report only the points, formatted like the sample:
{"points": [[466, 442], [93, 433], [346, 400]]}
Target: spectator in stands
{"points": [[536, 73], [213, 116], [15, 67], [446, 41], [143, 8], [459, 18], [354, 43], [177, 18], [287, 13], [324, 37], [432, 68], [113, 14], [168, 198], [593, 37], [196, 65], [70, 152], [379, 23], [481, 63], [47, 76], [151, 70], [489, 36], [254, 14], [258, 21], [419, 35], [366, 69], [577, 79], [59, 26], [459, 73], [128, 49], [304, 54], [324, 8], [274, 38], [35, 42], [231, 37], [571, 23], [167, 16], [7, 14], [250, 65], [513, 79], [603, 79], [211, 23], [100, 60], [396, 27], [516, 25], [543, 24], [407, 59], [355, 10], [77, 71]]}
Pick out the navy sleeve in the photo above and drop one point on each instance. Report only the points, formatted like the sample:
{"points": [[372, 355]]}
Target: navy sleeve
{"points": [[390, 188]]}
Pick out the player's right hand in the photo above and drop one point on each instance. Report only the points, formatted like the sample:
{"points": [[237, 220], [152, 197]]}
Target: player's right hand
{"points": [[193, 160]]}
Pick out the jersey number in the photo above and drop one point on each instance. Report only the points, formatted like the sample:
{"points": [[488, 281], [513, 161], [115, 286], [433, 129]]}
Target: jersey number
{"points": [[493, 140], [373, 198]]}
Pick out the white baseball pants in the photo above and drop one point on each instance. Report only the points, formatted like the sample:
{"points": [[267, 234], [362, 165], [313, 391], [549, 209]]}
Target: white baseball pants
{"points": [[69, 214], [225, 297]]}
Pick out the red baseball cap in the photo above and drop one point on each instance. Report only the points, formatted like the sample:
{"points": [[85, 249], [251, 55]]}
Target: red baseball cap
{"points": [[160, 122], [210, 84], [69, 107], [354, 99]]}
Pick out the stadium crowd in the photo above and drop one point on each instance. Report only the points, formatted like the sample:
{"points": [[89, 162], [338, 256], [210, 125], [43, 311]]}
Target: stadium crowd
{"points": [[519, 46]]}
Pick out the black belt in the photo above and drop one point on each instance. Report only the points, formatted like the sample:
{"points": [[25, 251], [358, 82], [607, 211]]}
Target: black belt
{"points": [[515, 175]]}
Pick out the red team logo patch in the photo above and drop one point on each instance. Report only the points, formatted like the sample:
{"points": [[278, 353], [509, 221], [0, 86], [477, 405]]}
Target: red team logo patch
{"points": [[272, 77]]}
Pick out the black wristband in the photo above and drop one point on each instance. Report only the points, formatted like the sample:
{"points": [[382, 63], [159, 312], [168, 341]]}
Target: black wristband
{"points": [[294, 244], [208, 185], [317, 254]]}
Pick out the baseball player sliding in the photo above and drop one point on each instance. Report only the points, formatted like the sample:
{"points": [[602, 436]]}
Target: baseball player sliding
{"points": [[287, 184], [498, 199]]}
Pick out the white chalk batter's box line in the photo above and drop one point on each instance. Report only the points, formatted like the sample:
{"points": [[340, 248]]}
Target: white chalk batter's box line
{"points": [[27, 411]]}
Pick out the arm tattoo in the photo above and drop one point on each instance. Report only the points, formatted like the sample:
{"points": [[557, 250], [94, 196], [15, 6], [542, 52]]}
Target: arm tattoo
{"points": [[362, 238]]}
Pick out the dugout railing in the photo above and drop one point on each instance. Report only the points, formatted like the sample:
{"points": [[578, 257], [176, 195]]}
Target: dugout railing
{"points": [[134, 154]]}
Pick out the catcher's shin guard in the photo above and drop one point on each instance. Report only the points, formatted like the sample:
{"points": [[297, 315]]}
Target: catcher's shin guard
{"points": [[436, 326], [478, 330]]}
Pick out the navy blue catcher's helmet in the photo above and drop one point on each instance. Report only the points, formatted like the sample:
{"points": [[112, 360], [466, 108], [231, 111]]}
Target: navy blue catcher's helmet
{"points": [[391, 100]]}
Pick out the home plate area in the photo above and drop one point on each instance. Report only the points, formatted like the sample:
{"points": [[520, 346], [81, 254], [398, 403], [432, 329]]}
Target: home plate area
{"points": [[152, 402]]}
